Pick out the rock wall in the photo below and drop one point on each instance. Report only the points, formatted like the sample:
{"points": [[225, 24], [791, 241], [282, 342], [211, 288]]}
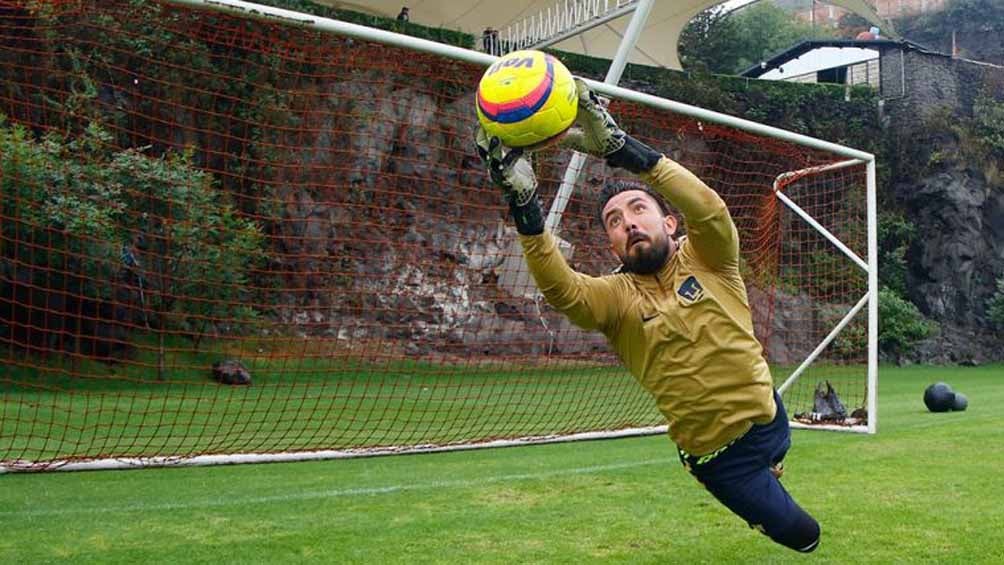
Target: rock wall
{"points": [[957, 206], [917, 83], [388, 235]]}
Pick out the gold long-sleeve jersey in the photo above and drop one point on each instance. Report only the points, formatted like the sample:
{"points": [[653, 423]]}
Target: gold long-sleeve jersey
{"points": [[685, 332]]}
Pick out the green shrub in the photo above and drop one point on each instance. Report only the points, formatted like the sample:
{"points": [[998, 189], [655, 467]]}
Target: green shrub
{"points": [[199, 249], [988, 121], [901, 325], [77, 209], [895, 233], [995, 306]]}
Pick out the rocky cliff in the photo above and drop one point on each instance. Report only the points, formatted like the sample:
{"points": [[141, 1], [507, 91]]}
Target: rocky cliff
{"points": [[954, 262]]}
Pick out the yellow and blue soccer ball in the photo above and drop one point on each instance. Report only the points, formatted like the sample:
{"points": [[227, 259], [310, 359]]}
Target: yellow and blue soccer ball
{"points": [[526, 99]]}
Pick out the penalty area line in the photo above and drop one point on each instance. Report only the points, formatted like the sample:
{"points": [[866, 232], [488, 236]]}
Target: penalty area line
{"points": [[329, 493]]}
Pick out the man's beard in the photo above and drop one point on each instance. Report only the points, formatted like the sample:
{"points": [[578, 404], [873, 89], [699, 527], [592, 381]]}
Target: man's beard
{"points": [[647, 259]]}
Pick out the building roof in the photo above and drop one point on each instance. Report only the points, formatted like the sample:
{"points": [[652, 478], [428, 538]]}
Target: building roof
{"points": [[657, 45], [804, 47]]}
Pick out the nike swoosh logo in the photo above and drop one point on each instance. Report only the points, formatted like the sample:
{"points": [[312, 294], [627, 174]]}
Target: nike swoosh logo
{"points": [[648, 318]]}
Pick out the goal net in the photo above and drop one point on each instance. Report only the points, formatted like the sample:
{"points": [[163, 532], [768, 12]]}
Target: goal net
{"points": [[234, 239]]}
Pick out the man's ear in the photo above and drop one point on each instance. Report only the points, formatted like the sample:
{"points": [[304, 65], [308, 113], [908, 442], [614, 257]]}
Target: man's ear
{"points": [[613, 252], [671, 225]]}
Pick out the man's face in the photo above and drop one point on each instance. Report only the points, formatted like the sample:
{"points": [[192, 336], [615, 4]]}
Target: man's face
{"points": [[640, 236]]}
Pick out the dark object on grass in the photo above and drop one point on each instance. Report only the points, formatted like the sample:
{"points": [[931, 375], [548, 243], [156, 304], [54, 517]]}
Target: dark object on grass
{"points": [[960, 403], [231, 372], [939, 397], [826, 404], [828, 409]]}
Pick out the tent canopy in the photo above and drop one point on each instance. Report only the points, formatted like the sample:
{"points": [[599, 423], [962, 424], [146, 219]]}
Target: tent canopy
{"points": [[657, 45]]}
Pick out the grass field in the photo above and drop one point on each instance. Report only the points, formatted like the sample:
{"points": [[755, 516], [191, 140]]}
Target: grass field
{"points": [[926, 489], [53, 410], [50, 411]]}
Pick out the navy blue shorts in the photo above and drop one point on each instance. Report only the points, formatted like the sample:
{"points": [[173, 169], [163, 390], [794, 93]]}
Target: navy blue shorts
{"points": [[740, 477]]}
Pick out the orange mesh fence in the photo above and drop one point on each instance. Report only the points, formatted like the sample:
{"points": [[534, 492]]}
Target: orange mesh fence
{"points": [[185, 190]]}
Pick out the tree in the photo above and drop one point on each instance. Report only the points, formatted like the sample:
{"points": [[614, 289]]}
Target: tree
{"points": [[198, 249], [81, 208], [730, 42], [708, 42]]}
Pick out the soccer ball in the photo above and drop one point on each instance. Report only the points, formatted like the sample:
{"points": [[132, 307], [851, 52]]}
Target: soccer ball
{"points": [[526, 99]]}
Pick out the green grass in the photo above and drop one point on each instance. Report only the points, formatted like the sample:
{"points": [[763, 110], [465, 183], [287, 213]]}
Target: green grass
{"points": [[94, 410], [926, 489]]}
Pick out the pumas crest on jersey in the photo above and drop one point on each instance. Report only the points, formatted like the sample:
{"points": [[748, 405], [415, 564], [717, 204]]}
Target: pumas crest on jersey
{"points": [[691, 290]]}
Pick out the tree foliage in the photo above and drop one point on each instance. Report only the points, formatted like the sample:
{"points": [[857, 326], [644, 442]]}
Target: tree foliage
{"points": [[901, 325], [995, 306], [988, 122], [976, 25], [730, 42], [88, 217], [895, 234], [708, 41]]}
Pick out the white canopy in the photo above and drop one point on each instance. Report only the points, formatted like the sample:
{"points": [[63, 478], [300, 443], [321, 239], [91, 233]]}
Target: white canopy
{"points": [[657, 45]]}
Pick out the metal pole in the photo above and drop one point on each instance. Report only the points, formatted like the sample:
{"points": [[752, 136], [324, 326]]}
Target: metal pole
{"points": [[285, 457], [808, 218], [638, 19], [824, 344], [873, 295]]}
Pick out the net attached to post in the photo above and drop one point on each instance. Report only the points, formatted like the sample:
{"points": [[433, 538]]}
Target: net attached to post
{"points": [[222, 236]]}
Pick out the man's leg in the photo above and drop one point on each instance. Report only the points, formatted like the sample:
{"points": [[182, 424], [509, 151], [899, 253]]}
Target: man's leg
{"points": [[743, 478], [760, 499]]}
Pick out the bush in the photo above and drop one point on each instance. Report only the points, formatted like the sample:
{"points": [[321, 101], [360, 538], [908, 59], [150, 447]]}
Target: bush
{"points": [[988, 121], [199, 250], [895, 233], [995, 307], [88, 219], [901, 325]]}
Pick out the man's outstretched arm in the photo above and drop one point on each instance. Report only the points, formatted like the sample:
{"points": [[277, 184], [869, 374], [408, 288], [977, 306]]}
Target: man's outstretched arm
{"points": [[589, 302], [710, 229]]}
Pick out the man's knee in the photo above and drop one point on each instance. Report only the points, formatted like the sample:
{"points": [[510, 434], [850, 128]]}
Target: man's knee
{"points": [[801, 535]]}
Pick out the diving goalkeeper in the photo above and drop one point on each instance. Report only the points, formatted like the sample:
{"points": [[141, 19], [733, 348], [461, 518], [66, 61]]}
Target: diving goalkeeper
{"points": [[676, 313]]}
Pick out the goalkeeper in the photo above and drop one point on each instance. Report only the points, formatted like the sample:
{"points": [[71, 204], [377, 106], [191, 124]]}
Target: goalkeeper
{"points": [[676, 313]]}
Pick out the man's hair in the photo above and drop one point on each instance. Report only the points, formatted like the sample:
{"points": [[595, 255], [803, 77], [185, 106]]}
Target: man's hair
{"points": [[616, 187]]}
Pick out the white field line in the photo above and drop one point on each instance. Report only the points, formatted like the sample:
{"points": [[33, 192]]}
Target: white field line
{"points": [[218, 502]]}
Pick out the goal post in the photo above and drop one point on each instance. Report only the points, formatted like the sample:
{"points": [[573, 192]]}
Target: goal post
{"points": [[234, 233], [868, 401]]}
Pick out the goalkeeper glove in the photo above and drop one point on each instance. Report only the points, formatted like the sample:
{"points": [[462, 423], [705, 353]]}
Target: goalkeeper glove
{"points": [[595, 132], [510, 169]]}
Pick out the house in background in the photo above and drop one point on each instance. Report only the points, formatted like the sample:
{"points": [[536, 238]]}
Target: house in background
{"points": [[879, 63], [838, 61], [912, 81]]}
